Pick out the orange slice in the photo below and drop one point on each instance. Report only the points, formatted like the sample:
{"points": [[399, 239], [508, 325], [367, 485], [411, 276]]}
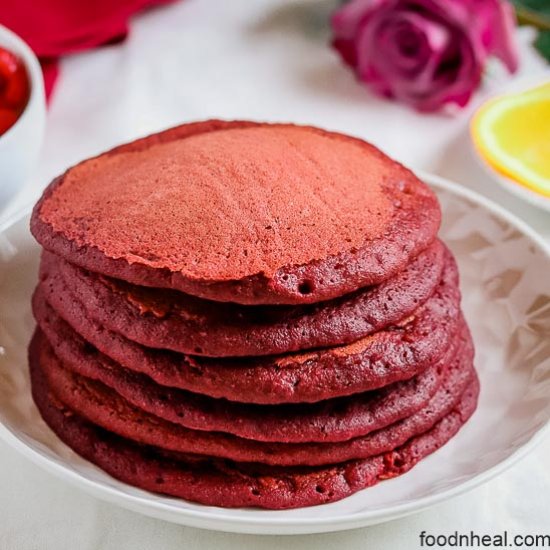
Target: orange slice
{"points": [[512, 134]]}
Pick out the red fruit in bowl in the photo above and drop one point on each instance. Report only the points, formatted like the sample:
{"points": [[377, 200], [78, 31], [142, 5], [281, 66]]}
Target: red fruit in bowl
{"points": [[16, 93], [8, 118], [8, 63], [14, 82]]}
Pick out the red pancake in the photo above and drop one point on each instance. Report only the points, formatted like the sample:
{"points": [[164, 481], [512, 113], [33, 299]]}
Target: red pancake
{"points": [[102, 406], [398, 353], [242, 212], [337, 419], [231, 484], [172, 320]]}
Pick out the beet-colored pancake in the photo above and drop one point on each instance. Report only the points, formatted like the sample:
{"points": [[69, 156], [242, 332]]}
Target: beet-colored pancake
{"points": [[173, 320], [385, 357], [241, 212], [104, 407], [337, 419], [230, 484]]}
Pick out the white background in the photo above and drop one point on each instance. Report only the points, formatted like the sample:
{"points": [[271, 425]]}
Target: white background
{"points": [[264, 60]]}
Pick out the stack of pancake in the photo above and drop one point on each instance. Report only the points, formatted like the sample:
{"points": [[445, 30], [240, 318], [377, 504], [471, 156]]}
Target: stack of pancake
{"points": [[244, 314]]}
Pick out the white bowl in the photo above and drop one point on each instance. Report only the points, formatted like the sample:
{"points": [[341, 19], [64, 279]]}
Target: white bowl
{"points": [[502, 263], [20, 145], [517, 189]]}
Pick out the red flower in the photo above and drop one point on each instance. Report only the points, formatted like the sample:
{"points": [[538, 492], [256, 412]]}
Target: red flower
{"points": [[427, 53]]}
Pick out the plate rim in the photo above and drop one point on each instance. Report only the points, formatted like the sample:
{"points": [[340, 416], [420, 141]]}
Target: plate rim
{"points": [[276, 525], [515, 188]]}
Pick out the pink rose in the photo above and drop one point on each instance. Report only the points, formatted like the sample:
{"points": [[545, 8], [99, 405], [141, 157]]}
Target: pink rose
{"points": [[427, 53]]}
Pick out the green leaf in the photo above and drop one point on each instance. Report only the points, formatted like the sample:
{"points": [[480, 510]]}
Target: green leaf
{"points": [[542, 43], [539, 6], [533, 12], [537, 14]]}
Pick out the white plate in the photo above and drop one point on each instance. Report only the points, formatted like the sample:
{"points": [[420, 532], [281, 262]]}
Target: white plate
{"points": [[505, 271], [521, 191]]}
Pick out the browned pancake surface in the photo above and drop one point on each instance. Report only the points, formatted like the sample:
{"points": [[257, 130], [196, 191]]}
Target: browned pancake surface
{"points": [[240, 211]]}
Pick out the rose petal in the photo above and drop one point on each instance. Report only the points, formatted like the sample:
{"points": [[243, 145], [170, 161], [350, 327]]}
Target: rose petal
{"points": [[433, 40], [461, 89], [502, 44], [346, 22], [424, 52], [404, 44]]}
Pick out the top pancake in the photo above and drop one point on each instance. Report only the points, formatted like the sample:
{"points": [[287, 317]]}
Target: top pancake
{"points": [[239, 211]]}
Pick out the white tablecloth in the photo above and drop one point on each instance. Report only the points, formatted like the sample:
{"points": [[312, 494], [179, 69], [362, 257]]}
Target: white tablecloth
{"points": [[265, 60]]}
